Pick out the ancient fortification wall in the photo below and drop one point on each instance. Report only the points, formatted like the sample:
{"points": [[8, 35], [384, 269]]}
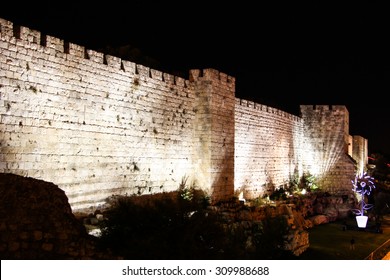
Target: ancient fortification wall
{"points": [[326, 140], [268, 147], [96, 125]]}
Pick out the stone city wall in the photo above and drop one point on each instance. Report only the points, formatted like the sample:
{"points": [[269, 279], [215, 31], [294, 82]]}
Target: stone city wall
{"points": [[268, 147], [96, 125]]}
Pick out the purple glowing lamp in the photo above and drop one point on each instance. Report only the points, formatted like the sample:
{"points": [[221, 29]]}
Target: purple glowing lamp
{"points": [[363, 185]]}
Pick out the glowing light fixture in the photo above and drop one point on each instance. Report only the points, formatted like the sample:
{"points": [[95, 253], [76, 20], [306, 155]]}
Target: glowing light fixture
{"points": [[361, 221], [362, 185]]}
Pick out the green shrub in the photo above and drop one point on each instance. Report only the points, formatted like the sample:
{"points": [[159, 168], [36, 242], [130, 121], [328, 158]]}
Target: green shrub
{"points": [[183, 227], [270, 236], [169, 227]]}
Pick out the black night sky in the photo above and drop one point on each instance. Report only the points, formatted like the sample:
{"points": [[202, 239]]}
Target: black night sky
{"points": [[281, 55]]}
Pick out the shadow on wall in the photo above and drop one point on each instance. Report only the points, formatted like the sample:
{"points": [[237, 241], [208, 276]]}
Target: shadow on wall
{"points": [[223, 186]]}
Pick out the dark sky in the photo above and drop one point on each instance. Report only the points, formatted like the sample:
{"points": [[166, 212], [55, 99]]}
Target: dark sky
{"points": [[281, 55]]}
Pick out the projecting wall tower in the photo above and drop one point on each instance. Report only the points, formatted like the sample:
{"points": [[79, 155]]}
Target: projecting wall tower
{"points": [[359, 151], [326, 134], [214, 131]]}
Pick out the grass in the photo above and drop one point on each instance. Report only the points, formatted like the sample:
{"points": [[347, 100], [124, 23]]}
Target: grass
{"points": [[331, 242]]}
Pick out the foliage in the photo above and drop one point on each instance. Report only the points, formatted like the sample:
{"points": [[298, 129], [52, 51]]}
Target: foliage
{"points": [[185, 192], [166, 228], [176, 227], [269, 238], [381, 171], [307, 182], [191, 195], [379, 167], [258, 201], [278, 194], [295, 183]]}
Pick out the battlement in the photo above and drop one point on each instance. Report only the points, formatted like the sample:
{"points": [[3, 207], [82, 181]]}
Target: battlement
{"points": [[260, 107], [212, 74], [323, 108], [51, 45]]}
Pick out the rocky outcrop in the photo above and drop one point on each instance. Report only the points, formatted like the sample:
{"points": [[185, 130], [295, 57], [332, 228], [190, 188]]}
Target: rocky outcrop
{"points": [[319, 207], [36, 222], [239, 215]]}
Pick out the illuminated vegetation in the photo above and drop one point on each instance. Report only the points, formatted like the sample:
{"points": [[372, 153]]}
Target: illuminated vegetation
{"points": [[183, 226]]}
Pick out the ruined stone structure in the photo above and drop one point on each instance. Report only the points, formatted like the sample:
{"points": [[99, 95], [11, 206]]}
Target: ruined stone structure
{"points": [[96, 125], [37, 223]]}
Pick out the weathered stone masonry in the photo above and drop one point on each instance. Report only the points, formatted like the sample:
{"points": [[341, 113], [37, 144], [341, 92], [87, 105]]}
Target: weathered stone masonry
{"points": [[96, 125]]}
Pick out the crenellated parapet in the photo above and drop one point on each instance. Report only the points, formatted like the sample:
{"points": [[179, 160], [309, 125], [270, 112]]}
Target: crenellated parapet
{"points": [[260, 107], [54, 46], [213, 75], [6, 29], [323, 109]]}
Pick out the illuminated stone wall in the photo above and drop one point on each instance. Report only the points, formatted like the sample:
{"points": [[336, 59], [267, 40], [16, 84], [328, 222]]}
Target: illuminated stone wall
{"points": [[360, 151], [268, 148], [273, 147], [96, 125], [326, 140], [214, 131]]}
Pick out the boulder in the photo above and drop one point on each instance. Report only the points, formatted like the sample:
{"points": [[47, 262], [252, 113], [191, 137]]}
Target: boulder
{"points": [[319, 219], [37, 222]]}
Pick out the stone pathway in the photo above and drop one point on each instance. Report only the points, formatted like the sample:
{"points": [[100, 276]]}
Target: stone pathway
{"points": [[385, 226], [386, 222]]}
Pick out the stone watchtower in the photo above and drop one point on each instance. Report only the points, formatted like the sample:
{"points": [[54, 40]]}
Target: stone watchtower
{"points": [[214, 132], [325, 141]]}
